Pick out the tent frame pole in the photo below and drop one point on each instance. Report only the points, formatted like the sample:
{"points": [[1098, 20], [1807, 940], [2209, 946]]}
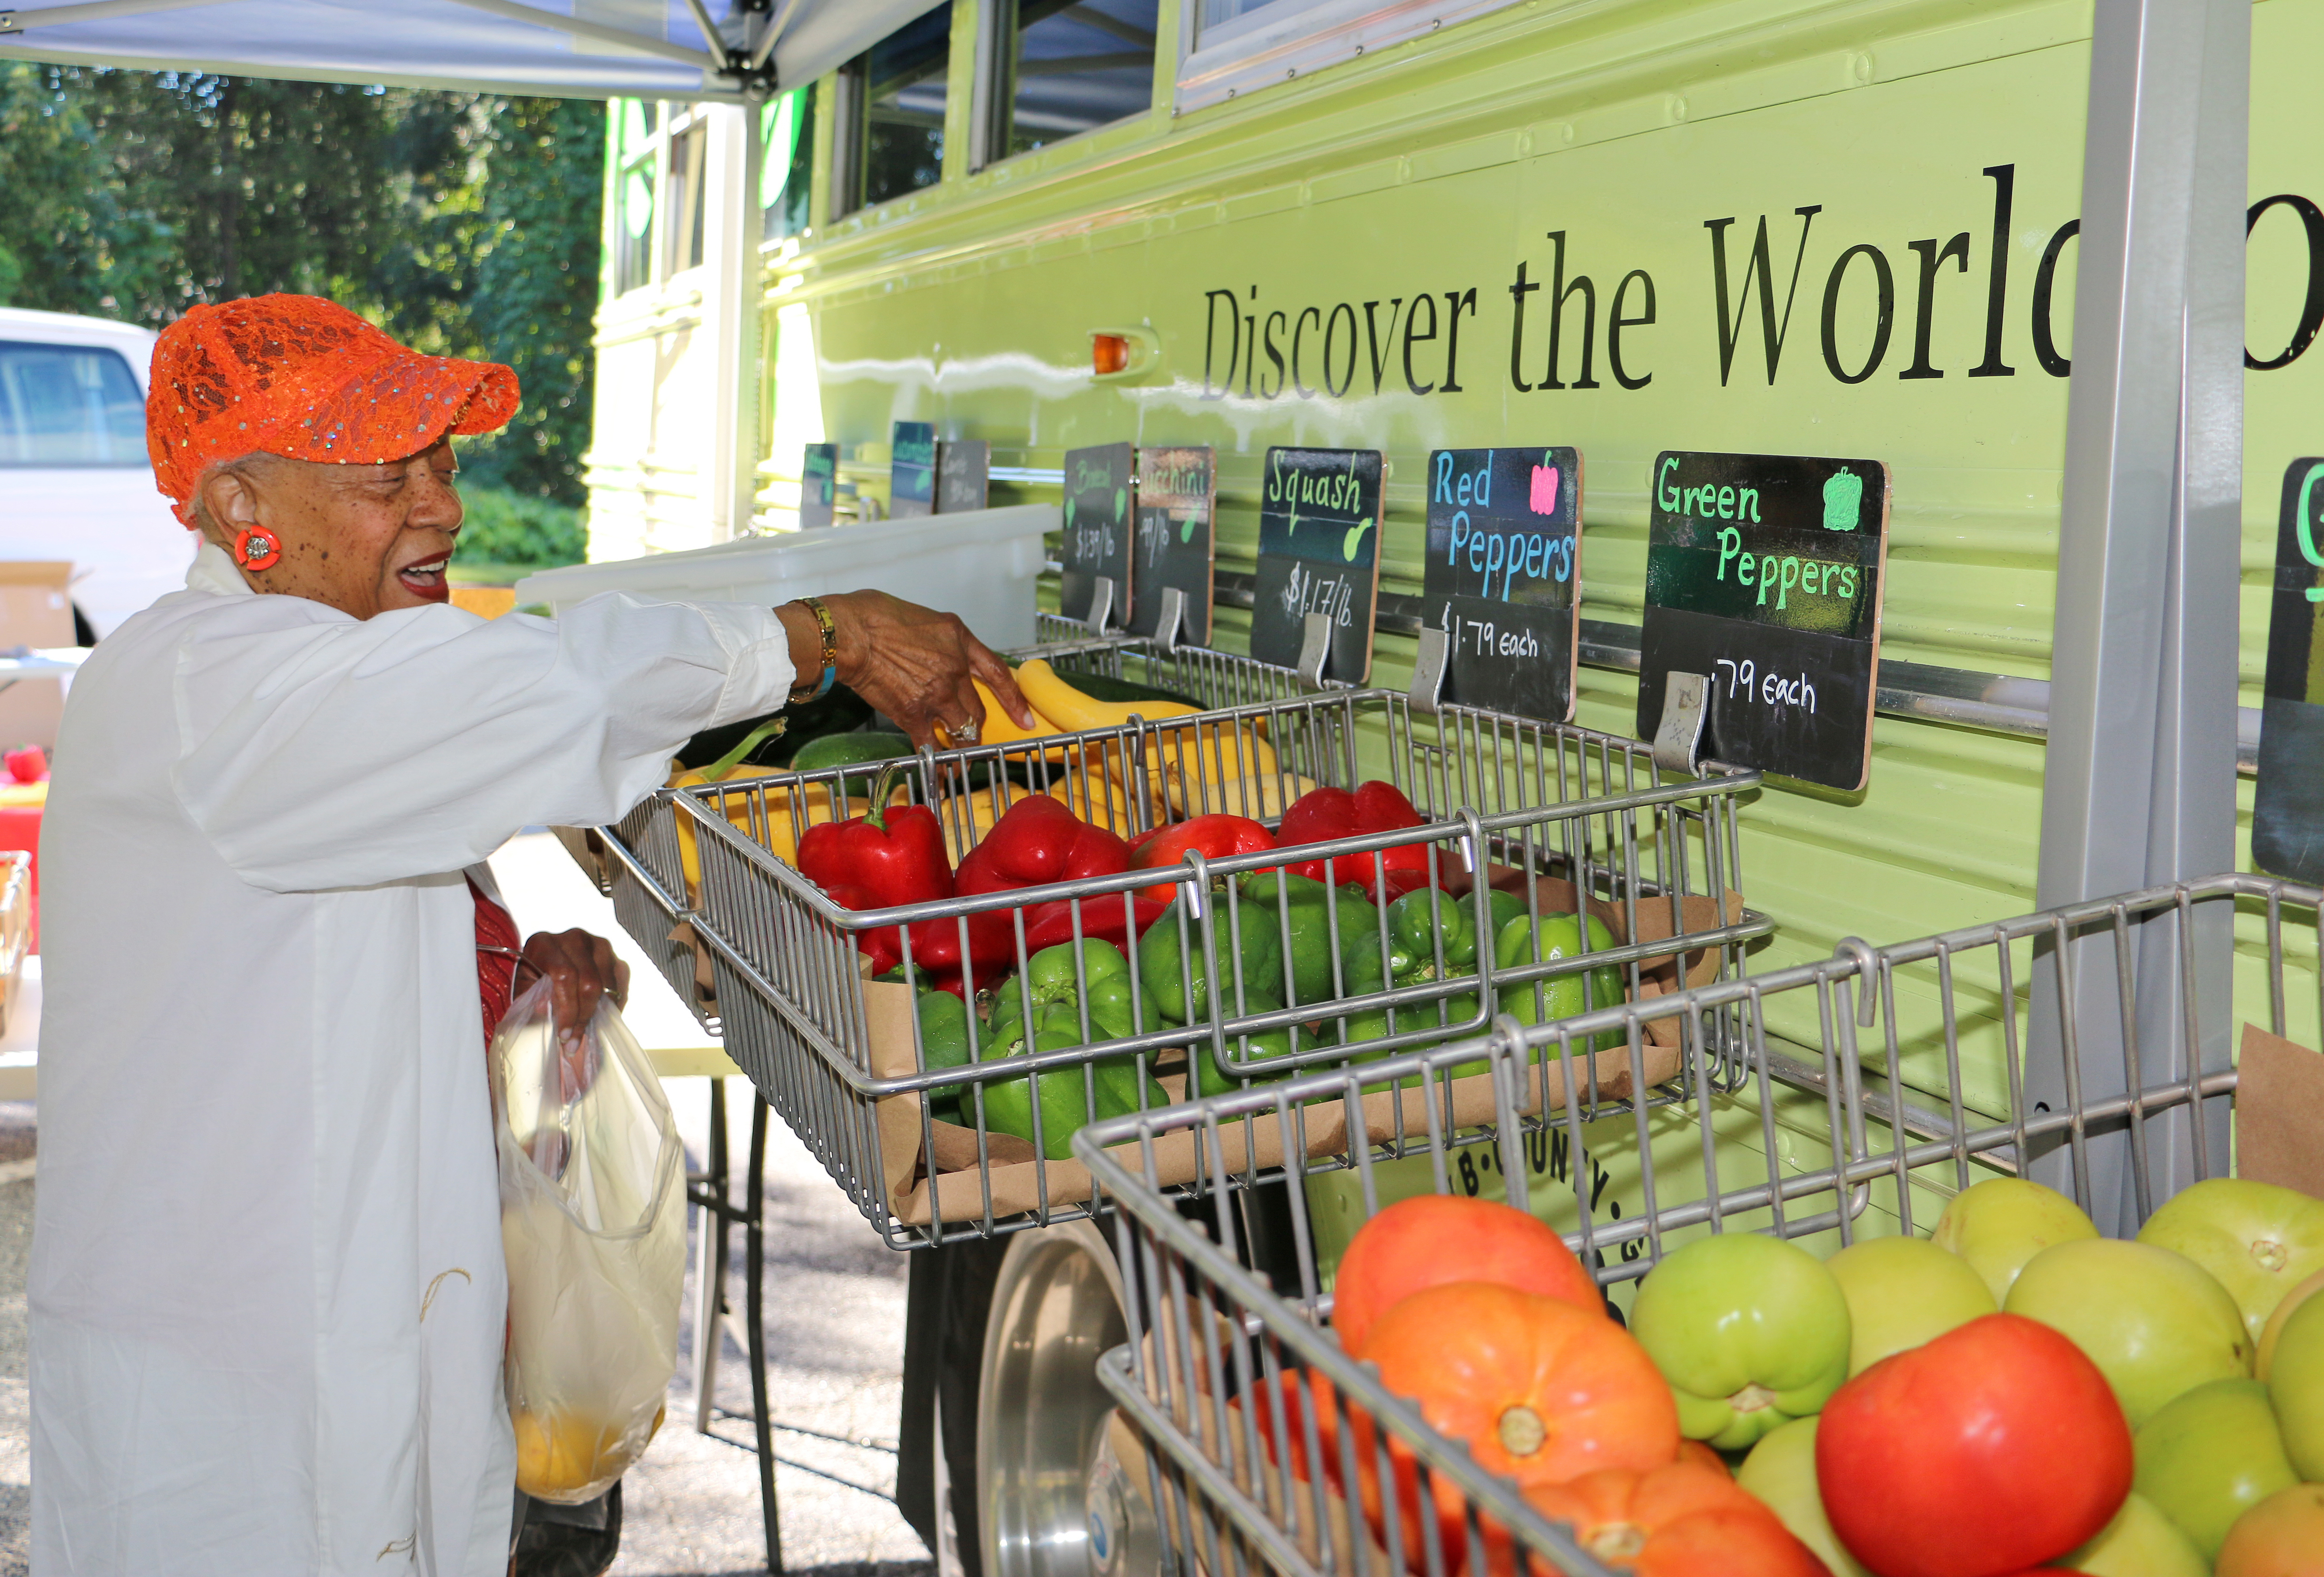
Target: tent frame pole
{"points": [[2139, 784]]}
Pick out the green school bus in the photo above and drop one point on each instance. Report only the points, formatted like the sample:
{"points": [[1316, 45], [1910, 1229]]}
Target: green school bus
{"points": [[1786, 227]]}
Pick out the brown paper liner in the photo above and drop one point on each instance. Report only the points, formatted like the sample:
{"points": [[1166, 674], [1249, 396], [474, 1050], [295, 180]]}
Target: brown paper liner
{"points": [[953, 1187]]}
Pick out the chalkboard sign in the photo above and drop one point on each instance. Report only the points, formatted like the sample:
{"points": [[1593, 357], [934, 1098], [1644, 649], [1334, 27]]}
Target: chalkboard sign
{"points": [[912, 471], [963, 472], [2288, 801], [1097, 530], [818, 484], [1503, 574], [1764, 575], [1178, 502], [1319, 531]]}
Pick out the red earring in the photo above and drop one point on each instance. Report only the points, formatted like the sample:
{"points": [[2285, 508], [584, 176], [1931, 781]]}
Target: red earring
{"points": [[255, 548]]}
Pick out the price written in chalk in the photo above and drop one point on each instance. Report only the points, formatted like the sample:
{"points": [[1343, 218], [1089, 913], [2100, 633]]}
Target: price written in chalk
{"points": [[1745, 682], [1503, 571]]}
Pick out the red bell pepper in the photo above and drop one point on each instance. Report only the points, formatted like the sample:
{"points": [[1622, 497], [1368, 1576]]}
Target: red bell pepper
{"points": [[1214, 836], [1037, 842], [894, 855], [1323, 814]]}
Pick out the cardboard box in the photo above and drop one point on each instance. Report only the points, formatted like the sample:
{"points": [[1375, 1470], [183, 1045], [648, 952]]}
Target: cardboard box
{"points": [[35, 611]]}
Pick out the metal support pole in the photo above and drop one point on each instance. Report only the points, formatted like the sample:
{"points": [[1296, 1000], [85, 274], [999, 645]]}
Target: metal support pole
{"points": [[731, 318], [2139, 784]]}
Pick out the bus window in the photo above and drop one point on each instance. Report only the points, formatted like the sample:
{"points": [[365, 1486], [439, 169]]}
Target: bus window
{"points": [[787, 127], [1073, 65], [900, 84]]}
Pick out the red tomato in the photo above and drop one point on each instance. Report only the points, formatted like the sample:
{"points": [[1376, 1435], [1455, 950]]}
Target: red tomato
{"points": [[1995, 1447], [1682, 1519], [1431, 1238]]}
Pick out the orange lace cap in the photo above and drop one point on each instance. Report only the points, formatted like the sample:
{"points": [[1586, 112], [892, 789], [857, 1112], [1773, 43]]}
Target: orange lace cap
{"points": [[304, 378]]}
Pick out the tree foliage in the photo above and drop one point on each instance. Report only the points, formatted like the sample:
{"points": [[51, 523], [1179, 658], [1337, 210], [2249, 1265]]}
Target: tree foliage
{"points": [[464, 223]]}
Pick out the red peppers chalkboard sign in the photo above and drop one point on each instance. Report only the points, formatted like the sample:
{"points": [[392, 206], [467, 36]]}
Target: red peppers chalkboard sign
{"points": [[1503, 575], [1319, 528], [1764, 575]]}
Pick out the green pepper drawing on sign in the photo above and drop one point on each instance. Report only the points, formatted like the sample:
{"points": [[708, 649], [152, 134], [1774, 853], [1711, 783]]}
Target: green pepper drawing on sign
{"points": [[1843, 501]]}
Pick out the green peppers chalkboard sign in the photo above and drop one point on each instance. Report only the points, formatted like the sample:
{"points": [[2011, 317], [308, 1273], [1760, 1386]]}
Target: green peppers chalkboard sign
{"points": [[1178, 497], [1097, 530], [1504, 566], [912, 471], [1319, 529], [1764, 575], [2288, 801]]}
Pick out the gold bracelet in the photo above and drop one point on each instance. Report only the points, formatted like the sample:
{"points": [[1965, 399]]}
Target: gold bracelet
{"points": [[822, 687]]}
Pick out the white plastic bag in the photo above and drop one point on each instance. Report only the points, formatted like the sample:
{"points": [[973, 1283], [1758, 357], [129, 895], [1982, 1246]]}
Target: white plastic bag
{"points": [[593, 1219]]}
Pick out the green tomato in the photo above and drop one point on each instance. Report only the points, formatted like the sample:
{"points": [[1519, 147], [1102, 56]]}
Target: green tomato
{"points": [[2000, 1223], [1902, 1292], [2210, 1455], [2140, 1542], [2257, 1239], [1750, 1330], [2295, 1383], [2153, 1321], [1780, 1471]]}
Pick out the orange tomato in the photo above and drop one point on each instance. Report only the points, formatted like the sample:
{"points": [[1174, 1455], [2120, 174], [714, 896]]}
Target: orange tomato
{"points": [[2282, 1536], [1701, 1456], [1437, 1238], [1682, 1520], [1539, 1391]]}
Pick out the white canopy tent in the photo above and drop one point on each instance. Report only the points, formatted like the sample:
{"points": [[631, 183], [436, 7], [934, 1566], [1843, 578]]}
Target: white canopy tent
{"points": [[579, 49]]}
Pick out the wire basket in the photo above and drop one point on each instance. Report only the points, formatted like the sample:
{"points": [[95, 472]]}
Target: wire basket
{"points": [[1516, 819], [2085, 1046]]}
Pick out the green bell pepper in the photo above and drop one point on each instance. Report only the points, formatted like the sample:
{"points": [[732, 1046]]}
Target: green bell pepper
{"points": [[1307, 973], [944, 1043], [1066, 1095], [1180, 992], [1414, 929], [1560, 996]]}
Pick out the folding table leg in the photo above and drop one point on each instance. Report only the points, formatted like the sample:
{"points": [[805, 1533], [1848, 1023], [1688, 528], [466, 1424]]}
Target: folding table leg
{"points": [[754, 1254], [715, 1201]]}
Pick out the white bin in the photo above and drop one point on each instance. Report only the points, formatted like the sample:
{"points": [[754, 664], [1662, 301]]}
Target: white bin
{"points": [[981, 564]]}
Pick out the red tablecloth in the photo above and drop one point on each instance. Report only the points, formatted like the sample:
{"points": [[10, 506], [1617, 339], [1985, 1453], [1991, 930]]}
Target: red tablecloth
{"points": [[20, 828]]}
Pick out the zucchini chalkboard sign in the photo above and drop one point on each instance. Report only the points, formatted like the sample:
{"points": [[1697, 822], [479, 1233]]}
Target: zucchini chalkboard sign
{"points": [[1097, 530], [1177, 500], [2288, 801], [1319, 531], [1504, 550], [912, 471], [964, 475], [1764, 575], [818, 484]]}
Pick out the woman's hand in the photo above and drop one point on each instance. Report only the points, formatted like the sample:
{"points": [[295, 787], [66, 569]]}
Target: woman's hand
{"points": [[581, 968], [911, 663]]}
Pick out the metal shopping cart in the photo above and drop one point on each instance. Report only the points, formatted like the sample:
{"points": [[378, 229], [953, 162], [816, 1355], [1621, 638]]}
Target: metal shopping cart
{"points": [[1823, 1103]]}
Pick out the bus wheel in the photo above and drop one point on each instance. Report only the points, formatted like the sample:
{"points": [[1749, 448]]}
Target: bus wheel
{"points": [[1055, 1497]]}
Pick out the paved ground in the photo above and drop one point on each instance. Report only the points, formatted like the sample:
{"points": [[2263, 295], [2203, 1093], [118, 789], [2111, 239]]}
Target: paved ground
{"points": [[835, 1317]]}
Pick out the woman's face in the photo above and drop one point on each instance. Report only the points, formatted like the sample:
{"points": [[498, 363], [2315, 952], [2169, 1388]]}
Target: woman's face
{"points": [[364, 539]]}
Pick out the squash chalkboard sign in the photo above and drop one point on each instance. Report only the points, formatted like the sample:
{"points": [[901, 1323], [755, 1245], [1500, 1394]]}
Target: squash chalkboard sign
{"points": [[1097, 530], [912, 471], [1503, 574], [1319, 531], [1764, 575], [964, 475], [2288, 801], [818, 484], [1177, 500]]}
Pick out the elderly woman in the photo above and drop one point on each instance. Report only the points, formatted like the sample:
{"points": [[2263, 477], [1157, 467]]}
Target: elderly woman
{"points": [[267, 1296]]}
